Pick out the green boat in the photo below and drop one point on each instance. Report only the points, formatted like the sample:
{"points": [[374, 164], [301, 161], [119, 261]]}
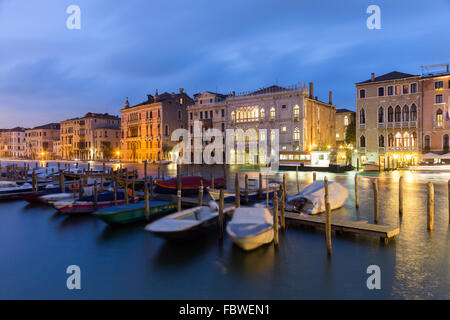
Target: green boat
{"points": [[133, 212]]}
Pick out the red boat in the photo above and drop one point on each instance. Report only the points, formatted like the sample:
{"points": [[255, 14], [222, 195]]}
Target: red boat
{"points": [[189, 185]]}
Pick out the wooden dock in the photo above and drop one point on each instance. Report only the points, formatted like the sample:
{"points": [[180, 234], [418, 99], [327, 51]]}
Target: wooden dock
{"points": [[362, 227]]}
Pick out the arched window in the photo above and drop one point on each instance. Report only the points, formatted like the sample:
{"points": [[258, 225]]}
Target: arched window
{"points": [[362, 116], [413, 113], [405, 113], [362, 142], [398, 140], [296, 134], [262, 114], [390, 114], [427, 142], [296, 111], [346, 121], [272, 113], [381, 141], [233, 116], [439, 118], [413, 139], [406, 139], [398, 114], [445, 142], [391, 140], [380, 115]]}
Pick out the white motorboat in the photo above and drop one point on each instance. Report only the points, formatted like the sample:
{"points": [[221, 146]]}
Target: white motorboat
{"points": [[253, 191], [311, 200], [251, 228], [187, 223], [54, 197]]}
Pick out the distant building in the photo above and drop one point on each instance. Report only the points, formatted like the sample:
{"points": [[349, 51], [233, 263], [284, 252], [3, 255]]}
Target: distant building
{"points": [[12, 143], [304, 122], [436, 117], [80, 137], [344, 118], [40, 141], [57, 149], [147, 127], [388, 112], [210, 109]]}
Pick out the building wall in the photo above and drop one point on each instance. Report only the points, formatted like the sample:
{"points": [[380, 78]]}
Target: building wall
{"points": [[107, 143], [434, 126], [39, 143], [372, 129], [12, 143], [343, 120]]}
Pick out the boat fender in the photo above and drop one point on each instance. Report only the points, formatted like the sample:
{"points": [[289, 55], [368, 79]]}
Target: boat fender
{"points": [[74, 186]]}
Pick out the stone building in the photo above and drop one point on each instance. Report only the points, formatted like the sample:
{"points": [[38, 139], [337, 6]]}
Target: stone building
{"points": [[147, 127], [12, 143], [436, 113], [210, 110], [304, 122], [344, 118], [388, 109], [40, 140], [80, 136]]}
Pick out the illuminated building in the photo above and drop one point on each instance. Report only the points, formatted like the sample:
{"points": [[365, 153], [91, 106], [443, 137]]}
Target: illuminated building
{"points": [[40, 141]]}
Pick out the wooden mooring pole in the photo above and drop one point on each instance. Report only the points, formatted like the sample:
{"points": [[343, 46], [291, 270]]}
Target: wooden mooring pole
{"points": [[327, 218], [237, 191], [430, 207], [200, 193], [275, 219], [246, 189], [147, 202], [296, 178], [314, 176], [400, 196], [356, 191], [221, 217], [375, 201]]}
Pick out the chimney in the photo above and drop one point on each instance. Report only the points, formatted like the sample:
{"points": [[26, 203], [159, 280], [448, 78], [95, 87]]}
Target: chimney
{"points": [[181, 90], [149, 97], [331, 98], [127, 104], [156, 98], [372, 76], [316, 98], [311, 90]]}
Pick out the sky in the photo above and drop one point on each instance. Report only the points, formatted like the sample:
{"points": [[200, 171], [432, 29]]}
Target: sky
{"points": [[49, 73]]}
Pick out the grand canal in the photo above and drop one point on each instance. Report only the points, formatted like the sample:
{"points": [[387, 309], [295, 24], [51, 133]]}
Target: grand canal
{"points": [[37, 244]]}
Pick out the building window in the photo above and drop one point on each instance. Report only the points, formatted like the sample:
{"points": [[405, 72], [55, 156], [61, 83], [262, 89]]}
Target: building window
{"points": [[362, 93], [201, 114], [223, 112], [390, 91], [272, 113], [405, 113], [413, 113], [413, 139], [439, 118], [296, 111], [427, 142], [262, 114], [406, 139], [346, 121], [413, 87], [439, 84], [439, 98], [381, 91], [445, 142], [390, 114], [179, 115], [398, 140], [398, 114], [362, 116], [380, 115], [283, 128], [381, 141], [166, 129], [296, 134], [398, 90], [223, 127], [362, 142], [390, 140], [233, 116], [190, 115], [405, 89], [211, 114]]}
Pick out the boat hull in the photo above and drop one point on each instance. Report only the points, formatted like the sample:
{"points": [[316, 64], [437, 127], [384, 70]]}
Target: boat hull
{"points": [[253, 242], [135, 213], [191, 233]]}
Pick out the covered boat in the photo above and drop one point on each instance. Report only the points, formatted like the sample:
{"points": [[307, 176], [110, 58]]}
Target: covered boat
{"points": [[253, 192], [11, 190], [86, 204], [189, 185], [311, 200], [133, 212], [187, 223], [35, 197], [251, 228]]}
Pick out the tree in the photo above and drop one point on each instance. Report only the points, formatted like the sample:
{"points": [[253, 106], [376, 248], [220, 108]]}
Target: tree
{"points": [[350, 134]]}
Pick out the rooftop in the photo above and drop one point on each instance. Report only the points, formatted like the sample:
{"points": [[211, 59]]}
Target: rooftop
{"points": [[343, 110], [96, 115], [55, 126], [394, 75]]}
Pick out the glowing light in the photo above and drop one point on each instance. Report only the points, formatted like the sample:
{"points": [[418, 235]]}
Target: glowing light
{"points": [[395, 156], [42, 153]]}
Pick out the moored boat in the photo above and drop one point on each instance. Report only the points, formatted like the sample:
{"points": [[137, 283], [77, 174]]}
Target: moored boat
{"points": [[86, 204], [11, 190], [35, 197], [187, 223], [189, 185], [253, 192], [311, 200], [251, 228], [134, 212]]}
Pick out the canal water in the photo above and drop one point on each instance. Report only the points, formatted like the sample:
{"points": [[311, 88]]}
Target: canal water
{"points": [[37, 244]]}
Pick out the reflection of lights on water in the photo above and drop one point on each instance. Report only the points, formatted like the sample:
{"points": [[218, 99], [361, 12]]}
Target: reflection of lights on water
{"points": [[409, 176], [116, 166]]}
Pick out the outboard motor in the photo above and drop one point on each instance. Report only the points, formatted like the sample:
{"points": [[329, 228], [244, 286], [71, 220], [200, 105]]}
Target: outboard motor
{"points": [[299, 204]]}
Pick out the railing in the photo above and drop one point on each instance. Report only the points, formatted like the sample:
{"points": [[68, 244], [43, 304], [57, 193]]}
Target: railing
{"points": [[381, 124], [362, 149], [362, 125], [413, 123], [268, 91], [381, 149], [438, 124]]}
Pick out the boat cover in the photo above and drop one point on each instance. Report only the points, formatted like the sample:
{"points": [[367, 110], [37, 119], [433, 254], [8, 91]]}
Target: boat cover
{"points": [[248, 222], [315, 196]]}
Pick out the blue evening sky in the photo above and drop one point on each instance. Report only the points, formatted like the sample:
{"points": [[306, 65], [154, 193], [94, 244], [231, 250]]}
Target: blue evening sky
{"points": [[130, 48]]}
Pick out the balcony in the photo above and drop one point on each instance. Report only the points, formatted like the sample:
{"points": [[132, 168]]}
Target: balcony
{"points": [[362, 149], [413, 123], [296, 118], [381, 149], [362, 125], [381, 125], [438, 124]]}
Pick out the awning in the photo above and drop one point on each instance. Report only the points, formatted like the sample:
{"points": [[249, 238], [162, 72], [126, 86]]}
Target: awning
{"points": [[430, 155]]}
